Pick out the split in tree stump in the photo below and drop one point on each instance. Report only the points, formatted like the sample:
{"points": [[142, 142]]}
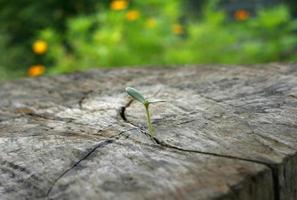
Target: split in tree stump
{"points": [[224, 133]]}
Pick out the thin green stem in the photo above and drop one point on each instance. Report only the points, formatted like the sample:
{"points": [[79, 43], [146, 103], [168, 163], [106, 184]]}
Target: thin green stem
{"points": [[148, 118]]}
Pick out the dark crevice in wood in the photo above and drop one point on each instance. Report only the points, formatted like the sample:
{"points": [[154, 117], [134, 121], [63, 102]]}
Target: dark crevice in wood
{"points": [[253, 95], [275, 179], [100, 145], [122, 110], [166, 145], [273, 167], [122, 113]]}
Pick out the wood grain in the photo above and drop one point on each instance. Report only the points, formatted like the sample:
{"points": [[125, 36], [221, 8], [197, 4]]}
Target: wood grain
{"points": [[224, 133]]}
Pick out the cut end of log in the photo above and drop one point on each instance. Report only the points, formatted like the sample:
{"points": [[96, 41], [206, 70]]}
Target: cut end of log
{"points": [[223, 133]]}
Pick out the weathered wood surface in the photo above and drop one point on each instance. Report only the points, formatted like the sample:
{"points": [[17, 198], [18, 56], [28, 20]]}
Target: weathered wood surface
{"points": [[224, 133]]}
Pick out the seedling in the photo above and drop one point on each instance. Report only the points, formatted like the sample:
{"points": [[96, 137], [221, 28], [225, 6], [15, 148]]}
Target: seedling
{"points": [[136, 95]]}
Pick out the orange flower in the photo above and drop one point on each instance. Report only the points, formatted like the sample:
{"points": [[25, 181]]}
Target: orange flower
{"points": [[177, 29], [119, 4], [151, 23], [132, 15], [39, 47], [36, 70], [241, 15]]}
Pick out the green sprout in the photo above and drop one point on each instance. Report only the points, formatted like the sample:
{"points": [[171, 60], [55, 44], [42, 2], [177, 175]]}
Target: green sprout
{"points": [[135, 94]]}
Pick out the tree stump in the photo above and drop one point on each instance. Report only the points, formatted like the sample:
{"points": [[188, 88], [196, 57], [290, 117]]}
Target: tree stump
{"points": [[224, 133]]}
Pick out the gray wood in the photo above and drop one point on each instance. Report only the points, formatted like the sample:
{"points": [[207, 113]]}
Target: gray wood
{"points": [[224, 133]]}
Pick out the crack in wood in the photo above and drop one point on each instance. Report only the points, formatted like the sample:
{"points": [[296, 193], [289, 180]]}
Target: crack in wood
{"points": [[123, 109], [100, 145], [273, 167], [247, 100]]}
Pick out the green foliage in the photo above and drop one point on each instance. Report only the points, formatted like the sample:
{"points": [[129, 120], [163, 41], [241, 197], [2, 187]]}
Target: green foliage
{"points": [[21, 22], [267, 37], [83, 35], [109, 39], [8, 54]]}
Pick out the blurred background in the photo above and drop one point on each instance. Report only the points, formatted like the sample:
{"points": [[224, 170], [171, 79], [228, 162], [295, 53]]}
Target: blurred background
{"points": [[53, 36]]}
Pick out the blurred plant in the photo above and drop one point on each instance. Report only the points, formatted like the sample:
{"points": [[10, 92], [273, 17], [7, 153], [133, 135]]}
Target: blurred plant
{"points": [[269, 36], [115, 37], [121, 32], [36, 70], [39, 47], [119, 4], [151, 23], [241, 15], [177, 29], [132, 15], [123, 38], [21, 23]]}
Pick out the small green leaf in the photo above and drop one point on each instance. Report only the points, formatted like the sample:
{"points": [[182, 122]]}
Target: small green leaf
{"points": [[135, 94], [154, 101]]}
